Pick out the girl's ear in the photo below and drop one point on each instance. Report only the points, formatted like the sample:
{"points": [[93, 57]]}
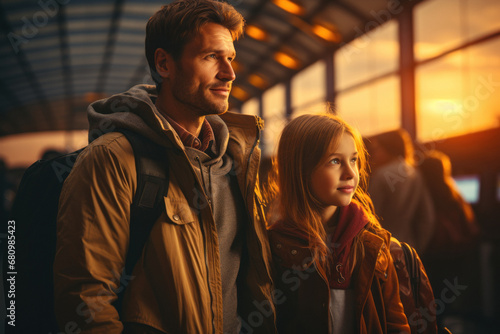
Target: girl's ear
{"points": [[163, 63]]}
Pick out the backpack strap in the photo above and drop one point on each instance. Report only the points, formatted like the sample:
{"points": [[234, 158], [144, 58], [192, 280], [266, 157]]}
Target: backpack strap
{"points": [[412, 266], [152, 185]]}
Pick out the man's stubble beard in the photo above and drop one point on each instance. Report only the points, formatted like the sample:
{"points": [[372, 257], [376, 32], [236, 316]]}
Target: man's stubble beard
{"points": [[198, 101]]}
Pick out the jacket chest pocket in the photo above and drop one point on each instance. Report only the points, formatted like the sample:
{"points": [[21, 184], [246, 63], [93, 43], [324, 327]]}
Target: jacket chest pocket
{"points": [[178, 211]]}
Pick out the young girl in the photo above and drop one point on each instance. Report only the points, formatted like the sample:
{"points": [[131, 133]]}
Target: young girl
{"points": [[334, 272]]}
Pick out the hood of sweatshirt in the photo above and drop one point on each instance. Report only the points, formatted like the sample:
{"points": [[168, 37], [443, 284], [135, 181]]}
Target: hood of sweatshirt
{"points": [[135, 110]]}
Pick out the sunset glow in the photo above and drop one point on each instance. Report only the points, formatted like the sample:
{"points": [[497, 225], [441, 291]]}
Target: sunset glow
{"points": [[457, 82]]}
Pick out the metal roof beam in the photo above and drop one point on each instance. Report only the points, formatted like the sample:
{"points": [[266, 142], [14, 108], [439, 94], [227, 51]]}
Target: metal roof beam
{"points": [[110, 46], [66, 65], [347, 7], [256, 11], [27, 70], [285, 39], [10, 96], [140, 73]]}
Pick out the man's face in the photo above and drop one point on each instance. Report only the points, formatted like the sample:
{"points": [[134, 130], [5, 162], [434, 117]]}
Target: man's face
{"points": [[201, 80]]}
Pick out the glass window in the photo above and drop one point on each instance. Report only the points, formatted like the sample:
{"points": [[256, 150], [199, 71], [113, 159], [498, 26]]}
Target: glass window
{"points": [[464, 20], [469, 187], [309, 85], [368, 56], [458, 93], [251, 107], [372, 108], [21, 150], [481, 17], [313, 108], [274, 117], [436, 27]]}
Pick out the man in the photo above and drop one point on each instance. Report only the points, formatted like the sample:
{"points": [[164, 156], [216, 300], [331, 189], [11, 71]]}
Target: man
{"points": [[205, 267], [398, 190]]}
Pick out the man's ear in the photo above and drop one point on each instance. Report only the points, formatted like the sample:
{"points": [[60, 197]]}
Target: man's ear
{"points": [[163, 62]]}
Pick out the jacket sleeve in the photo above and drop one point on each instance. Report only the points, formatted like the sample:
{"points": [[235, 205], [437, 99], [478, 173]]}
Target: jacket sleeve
{"points": [[396, 318], [92, 237]]}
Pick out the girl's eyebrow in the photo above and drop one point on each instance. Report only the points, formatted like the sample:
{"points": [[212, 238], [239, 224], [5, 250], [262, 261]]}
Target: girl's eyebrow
{"points": [[340, 154]]}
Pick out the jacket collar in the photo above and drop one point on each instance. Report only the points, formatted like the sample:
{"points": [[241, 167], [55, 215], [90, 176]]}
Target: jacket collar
{"points": [[351, 221], [244, 137], [190, 140]]}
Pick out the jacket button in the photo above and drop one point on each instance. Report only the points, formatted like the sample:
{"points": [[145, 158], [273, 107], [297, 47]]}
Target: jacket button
{"points": [[385, 274], [293, 252], [278, 246], [176, 217]]}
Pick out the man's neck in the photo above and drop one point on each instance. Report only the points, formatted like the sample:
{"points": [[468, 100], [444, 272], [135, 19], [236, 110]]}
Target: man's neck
{"points": [[192, 124]]}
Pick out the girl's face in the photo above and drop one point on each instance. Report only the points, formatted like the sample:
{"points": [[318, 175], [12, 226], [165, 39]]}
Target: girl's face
{"points": [[335, 179]]}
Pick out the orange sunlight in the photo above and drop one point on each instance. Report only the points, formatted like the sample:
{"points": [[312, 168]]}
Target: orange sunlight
{"points": [[20, 151]]}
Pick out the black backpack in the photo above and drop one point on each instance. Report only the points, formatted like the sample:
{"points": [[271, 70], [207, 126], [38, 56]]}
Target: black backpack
{"points": [[31, 232]]}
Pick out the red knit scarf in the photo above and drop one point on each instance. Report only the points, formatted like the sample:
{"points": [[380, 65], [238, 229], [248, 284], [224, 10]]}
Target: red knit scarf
{"points": [[351, 220]]}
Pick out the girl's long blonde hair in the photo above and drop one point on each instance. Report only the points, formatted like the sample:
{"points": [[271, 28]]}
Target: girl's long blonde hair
{"points": [[302, 146]]}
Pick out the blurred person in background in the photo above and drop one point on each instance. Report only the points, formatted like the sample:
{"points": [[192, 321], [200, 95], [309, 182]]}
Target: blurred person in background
{"points": [[51, 153], [455, 230], [399, 195], [7, 191], [451, 251]]}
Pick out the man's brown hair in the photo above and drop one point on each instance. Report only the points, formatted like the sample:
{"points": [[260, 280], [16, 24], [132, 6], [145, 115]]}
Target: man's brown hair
{"points": [[397, 143], [175, 24]]}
